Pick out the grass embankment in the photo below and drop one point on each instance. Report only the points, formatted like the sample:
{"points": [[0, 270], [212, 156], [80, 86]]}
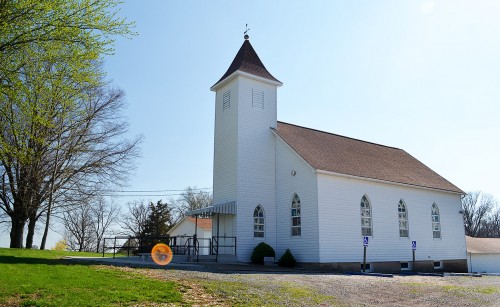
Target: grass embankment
{"points": [[43, 278]]}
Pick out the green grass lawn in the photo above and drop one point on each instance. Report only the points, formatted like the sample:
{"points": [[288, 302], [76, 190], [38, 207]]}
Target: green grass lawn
{"points": [[42, 278]]}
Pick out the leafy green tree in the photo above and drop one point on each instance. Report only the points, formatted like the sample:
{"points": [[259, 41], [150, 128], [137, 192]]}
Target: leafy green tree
{"points": [[88, 26], [51, 93]]}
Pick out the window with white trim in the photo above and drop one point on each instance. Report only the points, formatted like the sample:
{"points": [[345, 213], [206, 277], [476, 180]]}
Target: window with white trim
{"points": [[296, 223], [436, 222], [403, 219], [366, 217], [258, 222]]}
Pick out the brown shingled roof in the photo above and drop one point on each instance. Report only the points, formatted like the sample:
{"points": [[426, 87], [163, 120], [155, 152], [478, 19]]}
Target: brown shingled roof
{"points": [[339, 154], [203, 223], [248, 61], [483, 245]]}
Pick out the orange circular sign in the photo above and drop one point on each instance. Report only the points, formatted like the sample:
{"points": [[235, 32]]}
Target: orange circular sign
{"points": [[161, 254]]}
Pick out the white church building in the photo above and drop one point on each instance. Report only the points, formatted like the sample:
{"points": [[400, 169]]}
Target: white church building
{"points": [[319, 194]]}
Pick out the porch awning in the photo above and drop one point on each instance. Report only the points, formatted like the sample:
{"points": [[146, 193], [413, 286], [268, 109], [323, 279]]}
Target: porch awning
{"points": [[225, 208]]}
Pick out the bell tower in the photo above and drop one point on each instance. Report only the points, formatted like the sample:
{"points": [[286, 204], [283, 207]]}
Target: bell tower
{"points": [[244, 149]]}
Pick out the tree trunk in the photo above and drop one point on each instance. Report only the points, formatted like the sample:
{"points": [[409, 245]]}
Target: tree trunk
{"points": [[46, 231], [17, 232], [31, 231]]}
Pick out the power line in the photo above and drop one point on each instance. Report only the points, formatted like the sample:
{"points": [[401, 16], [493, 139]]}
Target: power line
{"points": [[141, 195], [152, 191]]}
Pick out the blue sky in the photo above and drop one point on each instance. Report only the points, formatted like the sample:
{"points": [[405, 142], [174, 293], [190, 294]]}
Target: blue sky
{"points": [[420, 75]]}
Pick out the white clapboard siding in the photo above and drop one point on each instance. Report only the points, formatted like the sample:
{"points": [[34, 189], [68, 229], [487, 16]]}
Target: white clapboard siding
{"points": [[256, 163], [244, 160], [305, 247], [340, 222], [483, 263], [225, 146]]}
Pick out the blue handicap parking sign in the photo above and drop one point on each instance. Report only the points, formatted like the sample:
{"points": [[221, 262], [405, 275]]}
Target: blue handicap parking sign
{"points": [[365, 241], [414, 245]]}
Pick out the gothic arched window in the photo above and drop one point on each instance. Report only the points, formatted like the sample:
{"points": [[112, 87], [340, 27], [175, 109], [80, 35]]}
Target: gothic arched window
{"points": [[366, 217], [296, 224], [436, 222], [258, 222], [403, 219]]}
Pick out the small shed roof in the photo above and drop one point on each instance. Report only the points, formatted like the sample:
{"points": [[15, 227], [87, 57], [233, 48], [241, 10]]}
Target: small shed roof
{"points": [[203, 223], [483, 245]]}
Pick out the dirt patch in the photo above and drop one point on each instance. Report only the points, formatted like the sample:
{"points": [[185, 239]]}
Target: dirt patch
{"points": [[192, 292]]}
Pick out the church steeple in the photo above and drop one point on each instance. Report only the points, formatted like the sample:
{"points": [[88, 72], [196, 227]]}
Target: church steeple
{"points": [[247, 61], [244, 146]]}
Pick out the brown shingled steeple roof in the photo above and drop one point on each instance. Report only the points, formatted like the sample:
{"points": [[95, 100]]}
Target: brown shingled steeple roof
{"points": [[248, 61]]}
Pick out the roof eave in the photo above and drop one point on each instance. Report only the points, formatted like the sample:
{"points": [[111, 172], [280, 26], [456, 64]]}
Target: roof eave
{"points": [[237, 73], [330, 173]]}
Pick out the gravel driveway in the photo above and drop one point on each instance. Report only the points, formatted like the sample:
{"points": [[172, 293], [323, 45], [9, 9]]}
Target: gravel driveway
{"points": [[327, 289]]}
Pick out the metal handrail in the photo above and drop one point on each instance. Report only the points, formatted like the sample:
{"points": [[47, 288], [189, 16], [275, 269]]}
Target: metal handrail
{"points": [[216, 247]]}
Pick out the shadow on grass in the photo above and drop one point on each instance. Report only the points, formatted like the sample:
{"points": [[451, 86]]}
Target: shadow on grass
{"points": [[220, 268], [194, 266], [30, 260]]}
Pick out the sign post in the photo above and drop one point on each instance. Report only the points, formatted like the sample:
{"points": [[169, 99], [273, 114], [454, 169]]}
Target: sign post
{"points": [[365, 245], [413, 248]]}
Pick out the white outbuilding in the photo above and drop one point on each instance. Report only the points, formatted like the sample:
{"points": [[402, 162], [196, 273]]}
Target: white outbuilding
{"points": [[186, 229], [318, 193], [483, 255]]}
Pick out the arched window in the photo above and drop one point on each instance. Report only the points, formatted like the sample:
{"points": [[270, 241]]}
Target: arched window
{"points": [[403, 219], [436, 222], [366, 217], [258, 222], [296, 216]]}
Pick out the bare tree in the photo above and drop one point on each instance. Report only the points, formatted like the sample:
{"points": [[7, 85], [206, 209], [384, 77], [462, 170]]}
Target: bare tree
{"points": [[477, 206], [495, 224], [78, 226], [104, 216], [191, 199], [135, 220], [491, 226], [87, 223]]}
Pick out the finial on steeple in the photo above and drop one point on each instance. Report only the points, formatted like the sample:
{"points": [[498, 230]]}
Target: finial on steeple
{"points": [[246, 30]]}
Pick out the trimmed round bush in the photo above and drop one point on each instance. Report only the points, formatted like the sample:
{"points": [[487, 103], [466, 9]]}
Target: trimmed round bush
{"points": [[287, 260], [260, 251]]}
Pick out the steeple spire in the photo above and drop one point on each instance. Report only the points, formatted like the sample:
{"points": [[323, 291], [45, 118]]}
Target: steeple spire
{"points": [[247, 60]]}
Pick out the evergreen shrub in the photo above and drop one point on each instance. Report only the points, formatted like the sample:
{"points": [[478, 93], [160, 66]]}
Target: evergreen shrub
{"points": [[260, 251], [287, 260]]}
